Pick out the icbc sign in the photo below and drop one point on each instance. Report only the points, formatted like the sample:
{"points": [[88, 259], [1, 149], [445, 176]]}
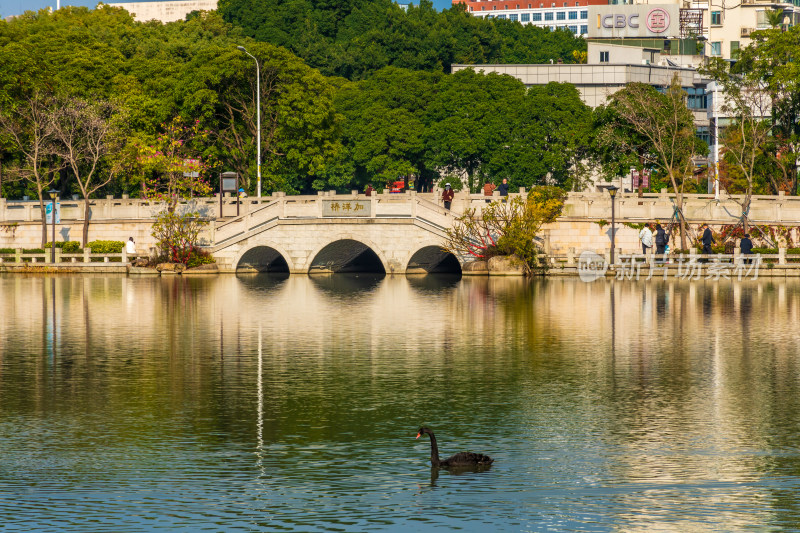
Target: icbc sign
{"points": [[632, 20]]}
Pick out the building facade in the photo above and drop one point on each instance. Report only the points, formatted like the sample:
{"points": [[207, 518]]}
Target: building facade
{"points": [[571, 15], [706, 28], [169, 11]]}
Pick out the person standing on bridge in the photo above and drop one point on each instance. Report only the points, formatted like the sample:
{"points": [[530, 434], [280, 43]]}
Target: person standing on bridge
{"points": [[488, 189], [368, 190], [447, 196]]}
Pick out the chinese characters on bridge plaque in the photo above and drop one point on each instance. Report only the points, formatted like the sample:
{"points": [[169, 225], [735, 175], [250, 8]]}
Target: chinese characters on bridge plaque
{"points": [[346, 208]]}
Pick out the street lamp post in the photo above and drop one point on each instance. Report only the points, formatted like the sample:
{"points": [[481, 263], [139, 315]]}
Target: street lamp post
{"points": [[714, 116], [613, 192], [258, 114], [53, 194]]}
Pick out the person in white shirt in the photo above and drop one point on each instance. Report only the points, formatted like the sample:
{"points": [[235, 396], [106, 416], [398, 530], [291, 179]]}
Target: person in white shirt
{"points": [[646, 236], [130, 246]]}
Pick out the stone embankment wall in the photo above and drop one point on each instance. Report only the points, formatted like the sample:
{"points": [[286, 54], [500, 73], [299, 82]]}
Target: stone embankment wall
{"points": [[585, 224]]}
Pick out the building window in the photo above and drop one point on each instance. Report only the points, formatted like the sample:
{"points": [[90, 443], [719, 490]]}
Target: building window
{"points": [[584, 15], [525, 17], [577, 4], [537, 17], [716, 18], [513, 17], [503, 17], [548, 15], [573, 29], [565, 4], [703, 134], [716, 48], [734, 49], [584, 29], [573, 15], [561, 16], [697, 98], [604, 57]]}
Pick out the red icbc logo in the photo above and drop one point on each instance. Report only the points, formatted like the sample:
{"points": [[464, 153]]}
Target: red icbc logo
{"points": [[657, 20]]}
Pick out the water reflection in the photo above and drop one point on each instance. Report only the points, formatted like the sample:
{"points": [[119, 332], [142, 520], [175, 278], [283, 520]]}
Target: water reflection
{"points": [[264, 403]]}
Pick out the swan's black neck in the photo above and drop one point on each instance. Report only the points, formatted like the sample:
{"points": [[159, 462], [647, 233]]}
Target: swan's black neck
{"points": [[434, 449]]}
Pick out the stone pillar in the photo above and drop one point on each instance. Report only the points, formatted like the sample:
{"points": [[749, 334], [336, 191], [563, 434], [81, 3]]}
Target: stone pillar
{"points": [[781, 255]]}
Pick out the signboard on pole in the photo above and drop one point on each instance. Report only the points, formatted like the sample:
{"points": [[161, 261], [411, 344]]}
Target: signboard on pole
{"points": [[48, 212]]}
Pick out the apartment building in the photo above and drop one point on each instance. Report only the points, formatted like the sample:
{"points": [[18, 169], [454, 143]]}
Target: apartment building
{"points": [[699, 28]]}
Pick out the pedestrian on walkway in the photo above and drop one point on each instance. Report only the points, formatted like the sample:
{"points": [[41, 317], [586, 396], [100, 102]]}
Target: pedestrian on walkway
{"points": [[662, 239], [646, 237], [447, 196], [746, 246], [503, 188], [488, 189], [707, 239]]}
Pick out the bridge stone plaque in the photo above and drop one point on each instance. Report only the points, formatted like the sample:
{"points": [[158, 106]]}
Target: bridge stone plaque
{"points": [[346, 208]]}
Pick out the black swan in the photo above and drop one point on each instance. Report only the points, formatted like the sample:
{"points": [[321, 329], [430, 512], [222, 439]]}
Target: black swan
{"points": [[459, 459]]}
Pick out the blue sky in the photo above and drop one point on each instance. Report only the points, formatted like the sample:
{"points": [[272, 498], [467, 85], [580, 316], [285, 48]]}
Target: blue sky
{"points": [[16, 7]]}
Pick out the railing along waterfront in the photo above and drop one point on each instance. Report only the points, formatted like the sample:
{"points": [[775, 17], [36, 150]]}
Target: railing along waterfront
{"points": [[21, 255], [776, 209]]}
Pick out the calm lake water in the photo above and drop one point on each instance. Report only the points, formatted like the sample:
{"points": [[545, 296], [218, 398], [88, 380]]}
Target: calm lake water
{"points": [[292, 404]]}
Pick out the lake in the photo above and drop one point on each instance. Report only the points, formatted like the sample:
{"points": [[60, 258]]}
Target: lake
{"points": [[258, 403]]}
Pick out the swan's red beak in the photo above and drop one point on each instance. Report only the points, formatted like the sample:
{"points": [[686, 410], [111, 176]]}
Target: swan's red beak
{"points": [[418, 435]]}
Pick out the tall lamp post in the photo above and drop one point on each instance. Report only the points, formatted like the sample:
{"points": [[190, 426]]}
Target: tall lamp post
{"points": [[258, 114], [715, 116], [613, 192], [53, 193]]}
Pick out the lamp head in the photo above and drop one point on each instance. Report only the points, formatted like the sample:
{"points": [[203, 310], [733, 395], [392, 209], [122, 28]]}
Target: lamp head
{"points": [[241, 48], [613, 190], [52, 193]]}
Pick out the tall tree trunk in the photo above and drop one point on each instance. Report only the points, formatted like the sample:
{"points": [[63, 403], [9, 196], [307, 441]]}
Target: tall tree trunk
{"points": [[86, 211], [44, 219]]}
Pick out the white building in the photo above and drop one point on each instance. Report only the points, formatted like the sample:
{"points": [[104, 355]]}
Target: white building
{"points": [[168, 11]]}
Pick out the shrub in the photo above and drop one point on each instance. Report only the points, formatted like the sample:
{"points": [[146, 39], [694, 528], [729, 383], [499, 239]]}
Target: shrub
{"points": [[7, 250], [177, 235], [68, 247], [199, 257], [106, 247]]}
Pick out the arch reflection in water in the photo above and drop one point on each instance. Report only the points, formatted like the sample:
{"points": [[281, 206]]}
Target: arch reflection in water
{"points": [[346, 256], [433, 260], [262, 259], [348, 284], [434, 283]]}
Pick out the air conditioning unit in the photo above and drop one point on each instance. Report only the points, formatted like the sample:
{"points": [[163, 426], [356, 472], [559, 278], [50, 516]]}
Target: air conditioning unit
{"points": [[746, 32]]}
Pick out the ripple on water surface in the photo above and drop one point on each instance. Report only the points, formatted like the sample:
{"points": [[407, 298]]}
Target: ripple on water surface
{"points": [[253, 403]]}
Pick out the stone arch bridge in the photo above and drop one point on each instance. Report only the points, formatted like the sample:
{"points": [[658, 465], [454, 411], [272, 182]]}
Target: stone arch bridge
{"points": [[337, 233]]}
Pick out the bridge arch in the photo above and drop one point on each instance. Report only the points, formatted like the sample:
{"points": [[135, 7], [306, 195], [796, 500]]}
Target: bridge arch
{"points": [[347, 254], [263, 257], [433, 259]]}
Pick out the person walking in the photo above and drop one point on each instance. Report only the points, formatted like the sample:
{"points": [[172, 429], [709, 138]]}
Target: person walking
{"points": [[661, 240], [447, 196], [746, 246], [488, 189], [646, 237], [707, 239]]}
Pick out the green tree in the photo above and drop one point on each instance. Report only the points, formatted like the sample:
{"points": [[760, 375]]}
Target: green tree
{"points": [[664, 121]]}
